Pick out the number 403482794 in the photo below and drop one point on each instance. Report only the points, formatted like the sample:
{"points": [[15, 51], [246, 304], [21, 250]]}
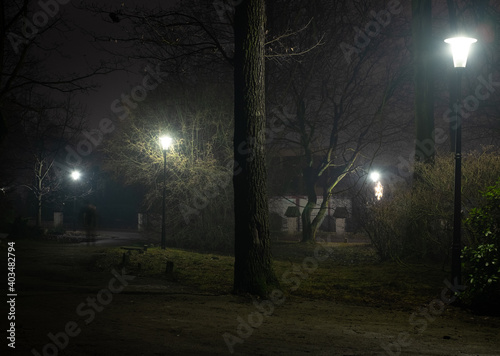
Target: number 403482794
{"points": [[11, 257]]}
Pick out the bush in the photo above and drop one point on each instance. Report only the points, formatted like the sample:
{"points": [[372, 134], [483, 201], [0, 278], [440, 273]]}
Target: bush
{"points": [[416, 220], [481, 259], [409, 226]]}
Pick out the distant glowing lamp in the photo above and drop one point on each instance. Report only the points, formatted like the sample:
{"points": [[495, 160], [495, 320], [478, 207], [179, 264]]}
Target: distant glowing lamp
{"points": [[375, 176], [165, 142], [75, 175]]}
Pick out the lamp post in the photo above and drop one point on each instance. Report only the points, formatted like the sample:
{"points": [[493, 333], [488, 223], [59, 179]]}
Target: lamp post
{"points": [[460, 49], [75, 175], [165, 142]]}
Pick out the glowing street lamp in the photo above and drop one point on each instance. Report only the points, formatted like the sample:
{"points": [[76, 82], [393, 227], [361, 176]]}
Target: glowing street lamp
{"points": [[75, 175], [460, 49], [165, 142]]}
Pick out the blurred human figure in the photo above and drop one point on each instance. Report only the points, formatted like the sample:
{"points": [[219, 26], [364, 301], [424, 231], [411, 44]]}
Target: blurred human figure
{"points": [[90, 222]]}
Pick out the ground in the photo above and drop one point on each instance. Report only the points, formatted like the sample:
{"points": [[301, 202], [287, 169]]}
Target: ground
{"points": [[66, 307]]}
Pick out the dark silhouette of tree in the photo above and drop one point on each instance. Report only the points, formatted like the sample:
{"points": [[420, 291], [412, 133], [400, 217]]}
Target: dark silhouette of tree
{"points": [[253, 272], [198, 117], [199, 40], [424, 65], [28, 33], [34, 145]]}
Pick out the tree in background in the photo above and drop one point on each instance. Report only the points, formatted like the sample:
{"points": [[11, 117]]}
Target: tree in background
{"points": [[38, 115], [335, 99], [28, 45], [199, 164], [46, 134], [480, 121], [424, 64], [195, 40], [34, 144]]}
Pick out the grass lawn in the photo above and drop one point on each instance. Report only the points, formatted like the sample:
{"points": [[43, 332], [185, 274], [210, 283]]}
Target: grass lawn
{"points": [[345, 300], [348, 273]]}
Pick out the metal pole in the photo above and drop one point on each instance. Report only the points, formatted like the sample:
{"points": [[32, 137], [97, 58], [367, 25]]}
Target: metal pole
{"points": [[456, 274], [74, 213], [163, 238]]}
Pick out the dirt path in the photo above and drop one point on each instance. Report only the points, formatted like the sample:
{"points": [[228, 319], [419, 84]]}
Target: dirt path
{"points": [[63, 309]]}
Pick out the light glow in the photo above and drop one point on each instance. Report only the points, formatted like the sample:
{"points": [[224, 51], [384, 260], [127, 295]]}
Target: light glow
{"points": [[165, 142], [375, 176], [75, 175], [460, 49], [379, 190]]}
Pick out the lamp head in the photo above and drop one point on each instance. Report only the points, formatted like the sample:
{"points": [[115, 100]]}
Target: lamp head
{"points": [[75, 175], [375, 176], [165, 142], [460, 49]]}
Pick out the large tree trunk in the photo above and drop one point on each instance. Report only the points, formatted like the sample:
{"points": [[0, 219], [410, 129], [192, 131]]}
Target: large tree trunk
{"points": [[424, 93], [308, 234], [309, 230], [310, 227], [253, 272]]}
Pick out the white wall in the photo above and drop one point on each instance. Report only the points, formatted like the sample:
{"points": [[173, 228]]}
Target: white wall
{"points": [[279, 205]]}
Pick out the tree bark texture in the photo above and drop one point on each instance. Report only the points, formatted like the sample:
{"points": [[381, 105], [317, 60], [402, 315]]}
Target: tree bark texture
{"points": [[310, 227], [253, 272]]}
